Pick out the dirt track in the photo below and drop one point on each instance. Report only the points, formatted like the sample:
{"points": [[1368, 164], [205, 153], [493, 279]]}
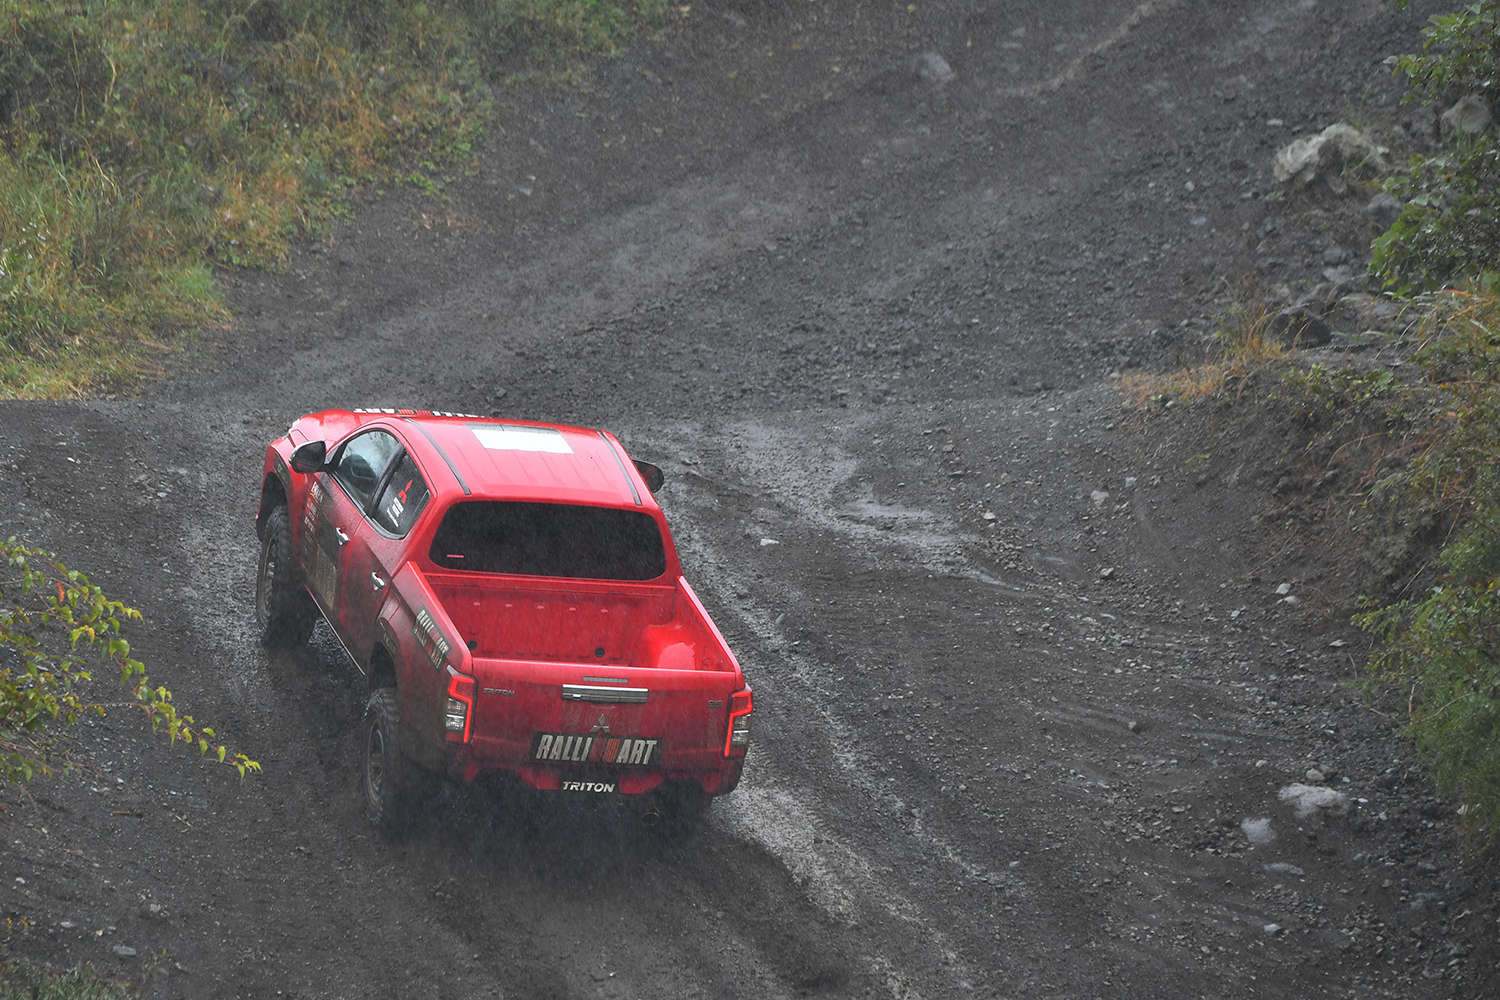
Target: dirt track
{"points": [[852, 307]]}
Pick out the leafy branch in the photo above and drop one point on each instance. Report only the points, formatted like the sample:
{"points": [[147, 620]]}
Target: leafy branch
{"points": [[54, 624]]}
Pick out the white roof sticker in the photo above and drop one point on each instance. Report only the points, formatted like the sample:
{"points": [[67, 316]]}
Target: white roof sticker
{"points": [[503, 438]]}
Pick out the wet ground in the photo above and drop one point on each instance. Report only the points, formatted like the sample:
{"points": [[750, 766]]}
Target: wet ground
{"points": [[861, 281]]}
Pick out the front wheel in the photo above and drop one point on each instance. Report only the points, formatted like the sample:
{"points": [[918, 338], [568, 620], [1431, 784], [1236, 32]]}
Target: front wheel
{"points": [[284, 614], [386, 772]]}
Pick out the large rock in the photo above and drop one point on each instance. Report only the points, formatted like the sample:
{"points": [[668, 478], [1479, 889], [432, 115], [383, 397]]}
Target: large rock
{"points": [[1383, 210], [1314, 800], [1335, 148], [1470, 116], [1300, 326]]}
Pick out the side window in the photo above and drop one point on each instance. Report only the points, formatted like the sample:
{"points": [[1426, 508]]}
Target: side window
{"points": [[402, 499], [361, 463]]}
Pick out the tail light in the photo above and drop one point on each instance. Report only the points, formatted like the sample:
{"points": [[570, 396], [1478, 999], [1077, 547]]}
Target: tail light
{"points": [[741, 704], [460, 707]]}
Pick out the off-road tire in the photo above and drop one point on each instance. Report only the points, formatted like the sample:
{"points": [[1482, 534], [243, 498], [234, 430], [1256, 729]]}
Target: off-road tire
{"points": [[284, 613], [386, 775]]}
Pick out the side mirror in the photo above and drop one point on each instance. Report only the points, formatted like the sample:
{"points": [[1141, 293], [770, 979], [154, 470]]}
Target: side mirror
{"points": [[309, 457], [652, 474]]}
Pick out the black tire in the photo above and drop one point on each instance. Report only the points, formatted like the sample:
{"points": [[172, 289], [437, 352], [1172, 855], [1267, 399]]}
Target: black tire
{"points": [[284, 613], [385, 772]]}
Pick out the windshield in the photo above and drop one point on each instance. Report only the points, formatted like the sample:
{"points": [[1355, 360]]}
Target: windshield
{"points": [[549, 539]]}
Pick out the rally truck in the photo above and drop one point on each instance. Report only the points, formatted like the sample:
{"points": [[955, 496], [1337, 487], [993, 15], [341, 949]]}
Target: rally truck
{"points": [[511, 594]]}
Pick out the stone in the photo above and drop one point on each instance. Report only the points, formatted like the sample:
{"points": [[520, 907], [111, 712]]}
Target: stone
{"points": [[1133, 726], [1107, 573], [1282, 589], [1314, 800], [124, 951], [1257, 831], [1334, 256], [1335, 149], [1314, 776], [1099, 496], [1300, 326], [1383, 210], [1284, 868], [934, 69], [1470, 116]]}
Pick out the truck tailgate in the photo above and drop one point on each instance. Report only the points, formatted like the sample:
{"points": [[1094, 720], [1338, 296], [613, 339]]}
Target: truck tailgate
{"points": [[561, 715]]}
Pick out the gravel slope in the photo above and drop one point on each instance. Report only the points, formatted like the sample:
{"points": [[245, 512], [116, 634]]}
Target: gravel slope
{"points": [[856, 279]]}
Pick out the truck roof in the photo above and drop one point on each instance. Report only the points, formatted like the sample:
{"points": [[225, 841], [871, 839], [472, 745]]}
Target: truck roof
{"points": [[516, 459]]}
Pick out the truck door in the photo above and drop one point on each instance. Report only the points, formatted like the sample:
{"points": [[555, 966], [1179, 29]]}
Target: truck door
{"points": [[342, 561]]}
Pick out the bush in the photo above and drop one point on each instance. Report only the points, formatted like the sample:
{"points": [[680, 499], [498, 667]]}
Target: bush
{"points": [[1441, 650], [1450, 225], [53, 623]]}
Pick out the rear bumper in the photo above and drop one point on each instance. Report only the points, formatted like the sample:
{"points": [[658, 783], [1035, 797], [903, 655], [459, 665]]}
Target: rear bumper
{"points": [[464, 765]]}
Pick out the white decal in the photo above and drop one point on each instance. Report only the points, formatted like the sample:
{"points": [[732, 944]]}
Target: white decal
{"points": [[506, 438]]}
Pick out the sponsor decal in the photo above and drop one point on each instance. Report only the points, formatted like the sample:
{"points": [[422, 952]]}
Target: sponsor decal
{"points": [[402, 412], [576, 748], [588, 786], [424, 629]]}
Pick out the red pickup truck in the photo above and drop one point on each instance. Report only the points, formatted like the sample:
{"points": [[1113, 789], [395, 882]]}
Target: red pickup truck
{"points": [[511, 593]]}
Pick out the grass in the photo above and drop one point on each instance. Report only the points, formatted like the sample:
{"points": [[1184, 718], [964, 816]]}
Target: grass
{"points": [[1245, 340], [24, 982], [144, 143]]}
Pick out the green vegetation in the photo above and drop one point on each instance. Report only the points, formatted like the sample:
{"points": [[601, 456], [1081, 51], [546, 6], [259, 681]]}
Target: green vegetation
{"points": [[23, 982], [1440, 650], [1450, 226], [145, 142], [53, 622]]}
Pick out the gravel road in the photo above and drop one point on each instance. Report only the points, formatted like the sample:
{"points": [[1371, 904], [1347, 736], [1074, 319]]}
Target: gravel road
{"points": [[865, 283]]}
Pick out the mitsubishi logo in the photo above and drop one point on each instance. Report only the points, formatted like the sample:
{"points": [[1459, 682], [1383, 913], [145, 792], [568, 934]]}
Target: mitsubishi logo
{"points": [[602, 727]]}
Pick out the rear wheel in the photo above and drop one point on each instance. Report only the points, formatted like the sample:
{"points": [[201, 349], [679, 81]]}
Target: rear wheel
{"points": [[284, 613], [387, 775]]}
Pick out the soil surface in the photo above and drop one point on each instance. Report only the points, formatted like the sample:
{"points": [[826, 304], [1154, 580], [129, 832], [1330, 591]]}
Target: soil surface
{"points": [[863, 279]]}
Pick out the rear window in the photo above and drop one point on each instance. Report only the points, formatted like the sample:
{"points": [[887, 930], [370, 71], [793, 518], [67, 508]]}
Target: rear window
{"points": [[549, 539]]}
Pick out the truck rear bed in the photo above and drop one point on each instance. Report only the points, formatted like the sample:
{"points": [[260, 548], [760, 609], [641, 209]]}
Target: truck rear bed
{"points": [[583, 679]]}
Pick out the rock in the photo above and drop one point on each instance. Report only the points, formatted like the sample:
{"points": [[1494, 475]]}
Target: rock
{"points": [[1334, 256], [1107, 573], [934, 69], [1099, 496], [1336, 276], [1282, 589], [1133, 726], [1314, 776], [1291, 601], [1314, 800], [768, 541], [1383, 210], [1257, 831], [124, 951], [1470, 116], [1300, 326], [1272, 929], [1336, 148], [1284, 868]]}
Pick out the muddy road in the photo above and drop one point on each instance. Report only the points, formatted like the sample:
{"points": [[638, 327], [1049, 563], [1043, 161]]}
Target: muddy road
{"points": [[863, 282]]}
